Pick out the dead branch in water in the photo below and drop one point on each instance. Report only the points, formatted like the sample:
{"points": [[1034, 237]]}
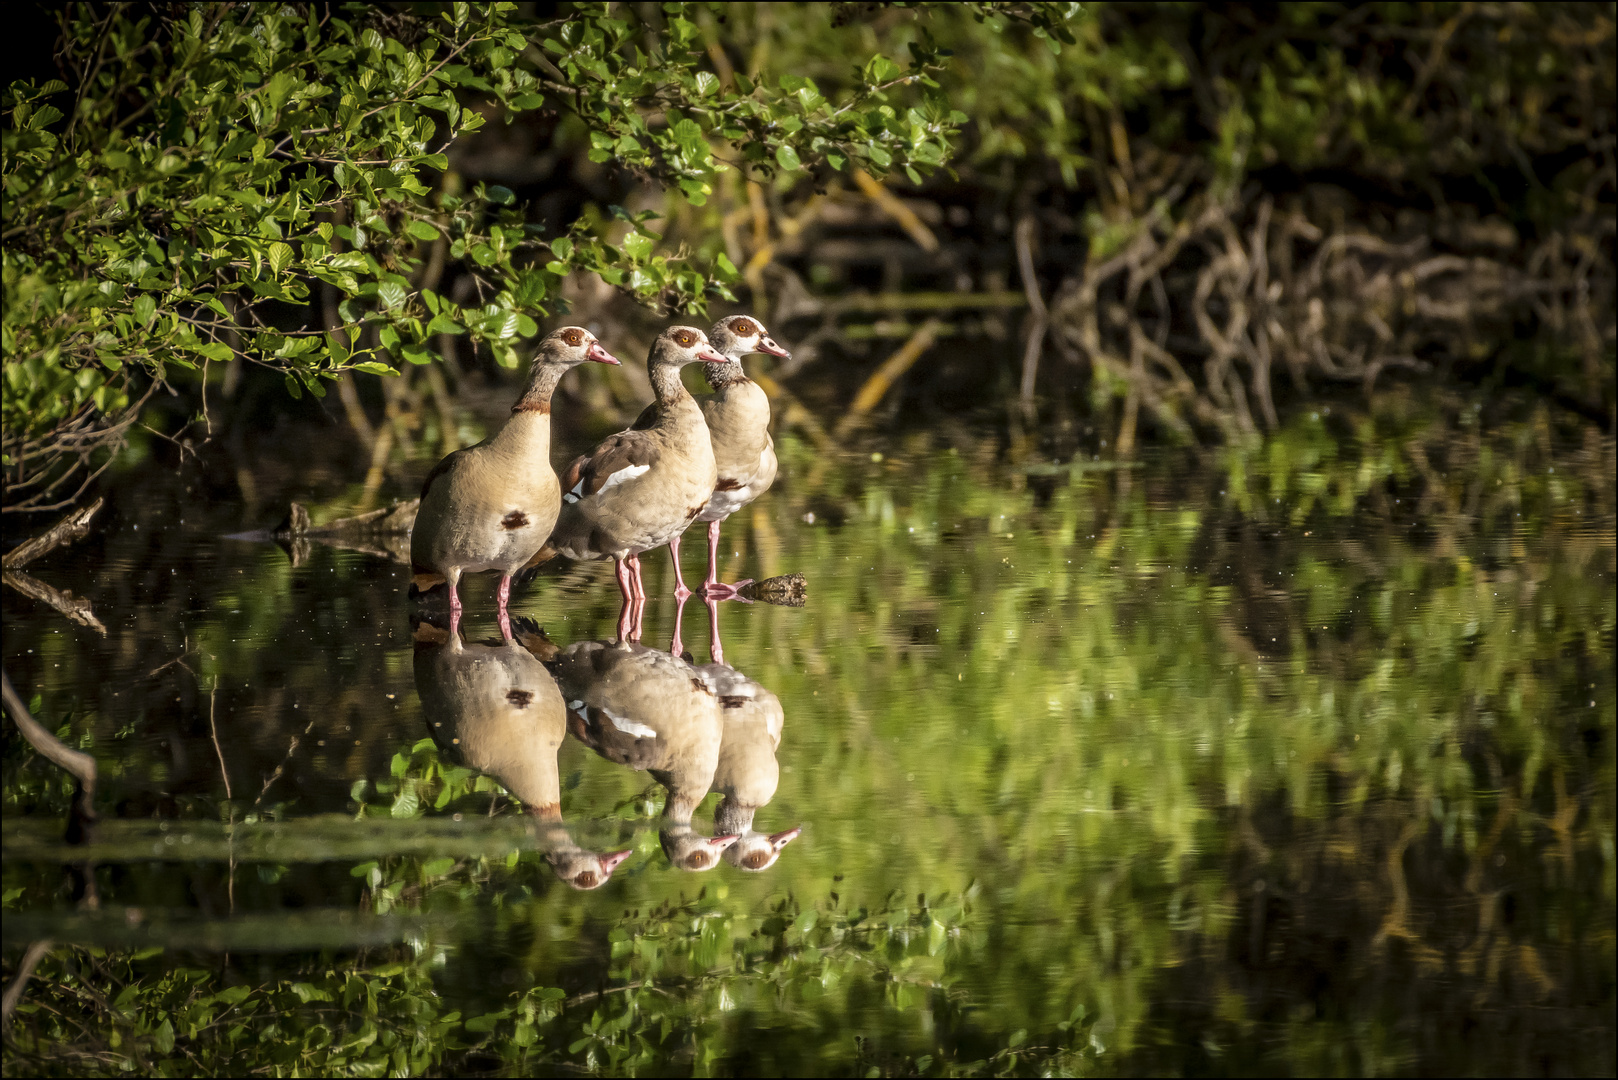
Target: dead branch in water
{"points": [[76, 526], [71, 528]]}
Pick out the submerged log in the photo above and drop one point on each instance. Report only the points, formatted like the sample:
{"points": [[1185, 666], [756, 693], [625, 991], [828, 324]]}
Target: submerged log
{"points": [[384, 532]]}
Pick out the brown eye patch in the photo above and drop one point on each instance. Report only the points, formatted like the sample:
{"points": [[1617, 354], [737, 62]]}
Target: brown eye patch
{"points": [[744, 327], [685, 339], [573, 336]]}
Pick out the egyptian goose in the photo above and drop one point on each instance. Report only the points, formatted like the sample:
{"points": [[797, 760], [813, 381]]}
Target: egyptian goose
{"points": [[751, 719], [491, 506], [738, 418], [494, 707], [640, 488], [648, 710]]}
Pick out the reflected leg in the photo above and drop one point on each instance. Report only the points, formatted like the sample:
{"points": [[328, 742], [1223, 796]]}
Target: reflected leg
{"points": [[680, 591], [504, 595], [676, 646], [716, 650], [452, 578], [638, 604]]}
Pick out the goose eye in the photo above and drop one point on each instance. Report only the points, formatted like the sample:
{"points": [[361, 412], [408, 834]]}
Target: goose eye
{"points": [[685, 339], [744, 327]]}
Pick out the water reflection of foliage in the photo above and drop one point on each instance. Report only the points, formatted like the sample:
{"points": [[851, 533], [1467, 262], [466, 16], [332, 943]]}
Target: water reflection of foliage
{"points": [[1246, 730]]}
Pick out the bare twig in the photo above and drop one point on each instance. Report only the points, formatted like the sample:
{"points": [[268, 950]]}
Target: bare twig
{"points": [[876, 387], [1038, 317]]}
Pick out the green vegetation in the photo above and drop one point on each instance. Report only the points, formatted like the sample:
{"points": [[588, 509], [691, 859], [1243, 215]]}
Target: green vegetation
{"points": [[298, 187], [214, 169]]}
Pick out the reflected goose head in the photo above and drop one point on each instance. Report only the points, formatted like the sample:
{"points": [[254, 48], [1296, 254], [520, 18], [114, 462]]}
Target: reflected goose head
{"points": [[738, 335], [688, 850], [758, 851], [585, 870]]}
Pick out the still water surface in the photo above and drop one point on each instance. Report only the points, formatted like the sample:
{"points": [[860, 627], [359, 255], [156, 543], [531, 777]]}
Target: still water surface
{"points": [[1240, 766]]}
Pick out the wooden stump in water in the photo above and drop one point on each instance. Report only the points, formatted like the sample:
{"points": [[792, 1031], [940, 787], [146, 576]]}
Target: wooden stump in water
{"points": [[787, 590]]}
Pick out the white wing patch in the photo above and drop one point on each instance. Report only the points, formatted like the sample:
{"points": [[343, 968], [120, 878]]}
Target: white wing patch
{"points": [[628, 472], [630, 727], [574, 495], [576, 706]]}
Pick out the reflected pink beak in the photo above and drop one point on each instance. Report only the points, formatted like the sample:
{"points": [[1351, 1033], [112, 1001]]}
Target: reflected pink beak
{"points": [[720, 843], [782, 839], [768, 345], [600, 355], [707, 354], [609, 863]]}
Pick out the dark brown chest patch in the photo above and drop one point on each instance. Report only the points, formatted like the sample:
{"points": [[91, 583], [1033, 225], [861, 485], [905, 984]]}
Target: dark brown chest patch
{"points": [[727, 484], [732, 701], [519, 698], [515, 520]]}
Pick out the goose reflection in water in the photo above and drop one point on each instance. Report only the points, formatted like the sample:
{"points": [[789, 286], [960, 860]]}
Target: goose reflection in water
{"points": [[494, 707], [650, 710], [751, 719]]}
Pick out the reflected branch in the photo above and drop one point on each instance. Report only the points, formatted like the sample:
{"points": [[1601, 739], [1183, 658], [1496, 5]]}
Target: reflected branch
{"points": [[76, 763]]}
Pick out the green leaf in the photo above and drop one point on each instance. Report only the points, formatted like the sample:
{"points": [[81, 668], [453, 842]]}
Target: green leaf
{"points": [[787, 158], [391, 293], [562, 248], [422, 230], [280, 256], [374, 367], [145, 308], [437, 867]]}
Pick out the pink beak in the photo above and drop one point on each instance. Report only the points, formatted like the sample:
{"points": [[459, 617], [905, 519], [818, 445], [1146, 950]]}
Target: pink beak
{"points": [[720, 843], [609, 863], [707, 354], [782, 839], [768, 345], [600, 355]]}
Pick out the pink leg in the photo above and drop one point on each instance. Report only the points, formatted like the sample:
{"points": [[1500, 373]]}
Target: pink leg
{"points": [[680, 591], [716, 649], [637, 587], [504, 594], [713, 554], [713, 588]]}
